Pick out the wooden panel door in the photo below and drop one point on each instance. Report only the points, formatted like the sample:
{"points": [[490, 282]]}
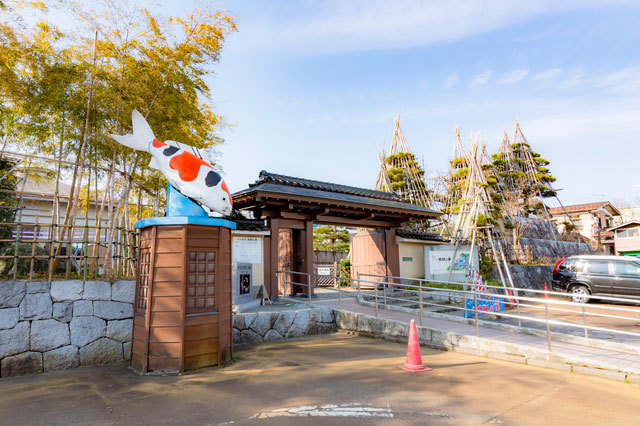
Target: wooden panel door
{"points": [[368, 255]]}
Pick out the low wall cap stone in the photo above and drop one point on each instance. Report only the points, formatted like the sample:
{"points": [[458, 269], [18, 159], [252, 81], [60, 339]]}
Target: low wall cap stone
{"points": [[12, 293], [38, 287], [123, 291], [67, 291], [97, 290]]}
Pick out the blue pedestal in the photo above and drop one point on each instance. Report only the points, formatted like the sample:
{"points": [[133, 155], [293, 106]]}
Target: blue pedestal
{"points": [[182, 210], [179, 205]]}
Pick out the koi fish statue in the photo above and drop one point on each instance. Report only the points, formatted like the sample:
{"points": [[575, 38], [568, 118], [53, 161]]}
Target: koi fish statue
{"points": [[182, 165]]}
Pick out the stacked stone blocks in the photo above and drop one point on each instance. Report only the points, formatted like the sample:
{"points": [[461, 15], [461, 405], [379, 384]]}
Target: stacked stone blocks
{"points": [[50, 326], [250, 328]]}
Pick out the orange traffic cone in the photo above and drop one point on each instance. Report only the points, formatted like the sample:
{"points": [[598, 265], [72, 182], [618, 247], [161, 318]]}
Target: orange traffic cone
{"points": [[414, 359], [512, 301], [546, 289]]}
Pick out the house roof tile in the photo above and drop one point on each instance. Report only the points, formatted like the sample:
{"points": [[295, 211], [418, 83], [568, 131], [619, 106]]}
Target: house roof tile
{"points": [[575, 208]]}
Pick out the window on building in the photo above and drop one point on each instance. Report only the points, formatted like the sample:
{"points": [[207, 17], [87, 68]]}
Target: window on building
{"points": [[144, 279], [201, 281], [628, 233]]}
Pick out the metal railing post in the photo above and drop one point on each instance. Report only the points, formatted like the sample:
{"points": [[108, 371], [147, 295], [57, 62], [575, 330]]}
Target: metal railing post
{"points": [[339, 295], [475, 312], [309, 285], [375, 286], [384, 293], [358, 284], [421, 306], [584, 321], [518, 306], [546, 316]]}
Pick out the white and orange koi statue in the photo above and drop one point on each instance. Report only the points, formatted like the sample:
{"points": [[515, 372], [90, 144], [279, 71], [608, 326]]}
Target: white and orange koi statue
{"points": [[187, 172]]}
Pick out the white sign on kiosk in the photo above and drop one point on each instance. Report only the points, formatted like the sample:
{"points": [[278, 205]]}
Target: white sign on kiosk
{"points": [[247, 250]]}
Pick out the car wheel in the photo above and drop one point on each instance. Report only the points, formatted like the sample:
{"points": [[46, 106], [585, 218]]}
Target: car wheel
{"points": [[580, 294]]}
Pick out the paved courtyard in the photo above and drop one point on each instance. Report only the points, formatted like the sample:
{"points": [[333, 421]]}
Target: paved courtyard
{"points": [[334, 379]]}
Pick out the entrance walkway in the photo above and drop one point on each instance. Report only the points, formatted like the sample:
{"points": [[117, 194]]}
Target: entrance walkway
{"points": [[567, 356], [323, 380]]}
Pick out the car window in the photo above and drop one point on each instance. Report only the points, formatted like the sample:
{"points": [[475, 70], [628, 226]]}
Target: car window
{"points": [[567, 264], [597, 267], [578, 266], [626, 269]]}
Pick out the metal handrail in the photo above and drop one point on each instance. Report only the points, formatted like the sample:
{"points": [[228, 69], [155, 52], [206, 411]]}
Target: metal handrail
{"points": [[547, 292], [540, 303]]}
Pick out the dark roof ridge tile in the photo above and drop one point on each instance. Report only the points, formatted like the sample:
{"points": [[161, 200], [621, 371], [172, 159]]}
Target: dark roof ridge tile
{"points": [[324, 186]]}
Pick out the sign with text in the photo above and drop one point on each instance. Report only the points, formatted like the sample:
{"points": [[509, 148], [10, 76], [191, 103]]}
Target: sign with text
{"points": [[485, 306], [440, 265], [247, 249], [324, 270]]}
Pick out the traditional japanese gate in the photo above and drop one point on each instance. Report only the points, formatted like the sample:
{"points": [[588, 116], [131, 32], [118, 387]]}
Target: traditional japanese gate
{"points": [[292, 206]]}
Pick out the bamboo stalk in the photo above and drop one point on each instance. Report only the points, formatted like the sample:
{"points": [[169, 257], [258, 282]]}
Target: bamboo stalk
{"points": [[33, 248], [19, 227]]}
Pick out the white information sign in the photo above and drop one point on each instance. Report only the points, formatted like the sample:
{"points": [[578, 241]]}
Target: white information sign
{"points": [[441, 261], [324, 270], [440, 265], [247, 249]]}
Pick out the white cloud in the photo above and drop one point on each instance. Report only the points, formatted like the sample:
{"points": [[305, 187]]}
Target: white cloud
{"points": [[451, 81], [338, 26], [515, 76], [481, 79], [547, 75]]}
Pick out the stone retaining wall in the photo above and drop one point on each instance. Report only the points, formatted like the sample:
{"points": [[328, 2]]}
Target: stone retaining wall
{"points": [[554, 250], [51, 326], [531, 276], [250, 328]]}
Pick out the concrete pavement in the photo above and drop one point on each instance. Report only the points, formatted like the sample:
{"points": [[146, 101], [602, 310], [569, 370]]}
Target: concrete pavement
{"points": [[334, 379]]}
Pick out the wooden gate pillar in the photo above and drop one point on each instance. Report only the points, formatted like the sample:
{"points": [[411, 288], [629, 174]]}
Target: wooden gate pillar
{"points": [[272, 278], [393, 253], [306, 256]]}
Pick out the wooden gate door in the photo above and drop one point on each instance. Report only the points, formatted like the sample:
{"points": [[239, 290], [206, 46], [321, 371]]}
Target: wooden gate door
{"points": [[285, 261], [368, 254]]}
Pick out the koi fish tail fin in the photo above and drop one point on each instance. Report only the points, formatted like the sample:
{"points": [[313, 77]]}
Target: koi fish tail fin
{"points": [[142, 134]]}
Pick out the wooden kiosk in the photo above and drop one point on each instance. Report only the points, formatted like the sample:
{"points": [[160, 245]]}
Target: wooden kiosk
{"points": [[182, 311]]}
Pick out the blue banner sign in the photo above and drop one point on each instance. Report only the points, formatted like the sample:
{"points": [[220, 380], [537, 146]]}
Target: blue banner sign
{"points": [[485, 306]]}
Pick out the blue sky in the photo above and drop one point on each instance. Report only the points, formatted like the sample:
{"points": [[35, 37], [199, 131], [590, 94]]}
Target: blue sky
{"points": [[312, 87]]}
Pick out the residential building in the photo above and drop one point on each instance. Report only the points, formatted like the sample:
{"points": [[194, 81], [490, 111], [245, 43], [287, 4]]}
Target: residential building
{"points": [[626, 238], [592, 221]]}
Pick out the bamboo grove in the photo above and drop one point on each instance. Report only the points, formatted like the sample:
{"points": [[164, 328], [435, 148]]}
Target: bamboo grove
{"points": [[64, 88]]}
